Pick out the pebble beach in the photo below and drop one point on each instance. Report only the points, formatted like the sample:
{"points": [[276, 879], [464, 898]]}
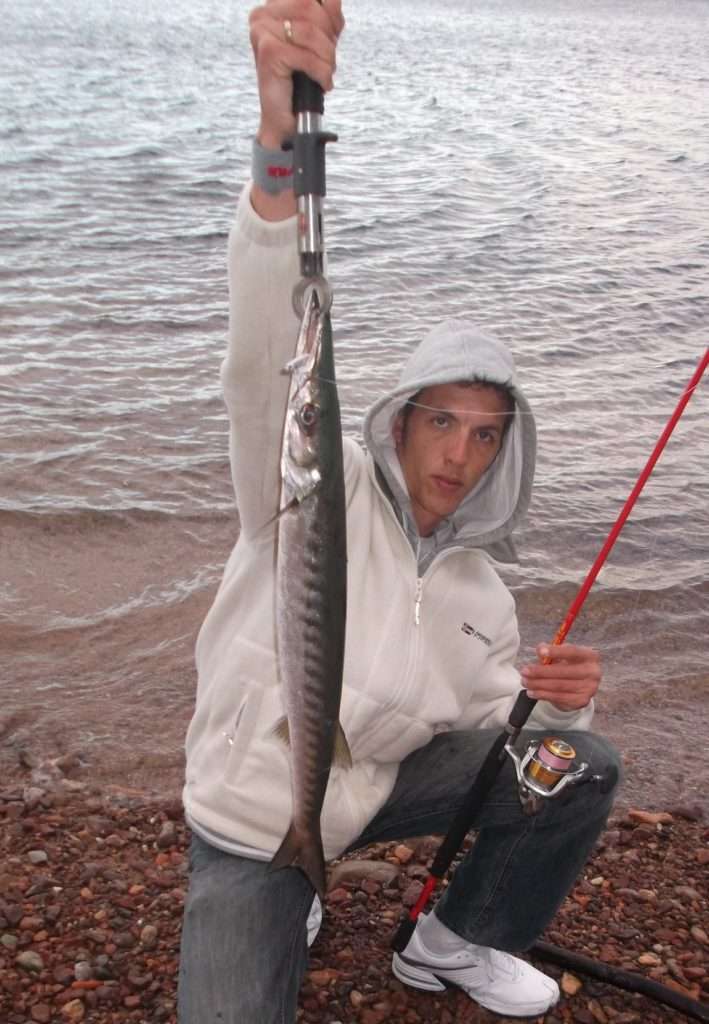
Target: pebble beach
{"points": [[93, 879]]}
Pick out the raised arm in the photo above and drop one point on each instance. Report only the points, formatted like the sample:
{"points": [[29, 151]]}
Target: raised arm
{"points": [[288, 36], [263, 260]]}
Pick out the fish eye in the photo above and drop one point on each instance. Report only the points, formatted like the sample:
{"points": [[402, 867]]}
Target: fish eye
{"points": [[308, 416]]}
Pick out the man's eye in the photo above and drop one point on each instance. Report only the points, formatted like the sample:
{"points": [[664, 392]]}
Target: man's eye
{"points": [[440, 420]]}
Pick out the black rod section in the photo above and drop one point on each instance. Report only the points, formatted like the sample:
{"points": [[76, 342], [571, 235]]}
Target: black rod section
{"points": [[628, 980]]}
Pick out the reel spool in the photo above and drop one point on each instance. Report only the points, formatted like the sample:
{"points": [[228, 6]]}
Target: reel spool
{"points": [[545, 770], [550, 762]]}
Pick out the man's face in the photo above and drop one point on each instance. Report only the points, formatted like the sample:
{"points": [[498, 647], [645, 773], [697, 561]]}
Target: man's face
{"points": [[451, 437]]}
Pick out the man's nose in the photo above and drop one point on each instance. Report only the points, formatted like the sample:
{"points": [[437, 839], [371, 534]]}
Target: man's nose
{"points": [[457, 448]]}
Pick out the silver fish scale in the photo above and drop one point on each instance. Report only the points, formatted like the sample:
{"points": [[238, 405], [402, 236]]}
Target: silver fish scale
{"points": [[305, 598]]}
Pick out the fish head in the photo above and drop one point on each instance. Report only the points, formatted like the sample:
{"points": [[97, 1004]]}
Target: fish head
{"points": [[300, 461], [300, 453], [301, 447], [303, 422]]}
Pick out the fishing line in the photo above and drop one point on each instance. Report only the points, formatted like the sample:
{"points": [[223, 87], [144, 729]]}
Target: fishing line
{"points": [[628, 411]]}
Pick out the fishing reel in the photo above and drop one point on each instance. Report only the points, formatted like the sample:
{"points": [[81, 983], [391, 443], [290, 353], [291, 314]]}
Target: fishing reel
{"points": [[545, 770]]}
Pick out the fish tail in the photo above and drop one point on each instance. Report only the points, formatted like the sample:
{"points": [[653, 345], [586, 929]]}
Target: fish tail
{"points": [[302, 850]]}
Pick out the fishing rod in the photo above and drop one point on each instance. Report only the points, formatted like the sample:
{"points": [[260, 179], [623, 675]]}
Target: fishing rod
{"points": [[547, 768]]}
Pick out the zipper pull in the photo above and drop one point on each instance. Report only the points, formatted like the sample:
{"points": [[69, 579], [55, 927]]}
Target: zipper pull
{"points": [[417, 602]]}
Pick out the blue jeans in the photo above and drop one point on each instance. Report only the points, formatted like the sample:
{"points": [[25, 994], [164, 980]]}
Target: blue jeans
{"points": [[244, 950]]}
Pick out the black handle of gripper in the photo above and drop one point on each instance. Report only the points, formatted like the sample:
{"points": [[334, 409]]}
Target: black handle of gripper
{"points": [[307, 95]]}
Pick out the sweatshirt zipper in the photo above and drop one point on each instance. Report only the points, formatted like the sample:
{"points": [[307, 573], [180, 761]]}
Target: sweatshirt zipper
{"points": [[417, 601]]}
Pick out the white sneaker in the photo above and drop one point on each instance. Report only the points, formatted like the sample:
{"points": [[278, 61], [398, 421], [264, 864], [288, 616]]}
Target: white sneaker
{"points": [[498, 981], [314, 921]]}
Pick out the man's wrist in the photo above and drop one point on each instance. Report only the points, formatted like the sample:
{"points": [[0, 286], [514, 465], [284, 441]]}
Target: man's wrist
{"points": [[270, 137], [271, 168], [272, 194]]}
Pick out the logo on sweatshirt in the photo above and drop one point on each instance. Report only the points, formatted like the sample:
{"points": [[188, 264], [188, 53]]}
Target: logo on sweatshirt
{"points": [[471, 631]]}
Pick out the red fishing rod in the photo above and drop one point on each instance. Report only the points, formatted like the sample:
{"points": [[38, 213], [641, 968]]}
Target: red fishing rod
{"points": [[551, 763], [575, 606]]}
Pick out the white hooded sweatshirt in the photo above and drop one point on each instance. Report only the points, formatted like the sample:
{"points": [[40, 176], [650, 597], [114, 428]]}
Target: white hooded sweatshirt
{"points": [[431, 642]]}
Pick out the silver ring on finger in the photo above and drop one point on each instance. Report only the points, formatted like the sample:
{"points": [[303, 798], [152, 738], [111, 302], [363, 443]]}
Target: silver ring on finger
{"points": [[288, 30]]}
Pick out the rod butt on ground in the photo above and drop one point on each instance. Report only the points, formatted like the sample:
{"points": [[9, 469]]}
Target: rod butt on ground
{"points": [[403, 933]]}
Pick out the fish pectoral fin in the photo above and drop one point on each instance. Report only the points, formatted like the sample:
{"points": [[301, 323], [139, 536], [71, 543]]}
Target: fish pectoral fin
{"points": [[282, 511], [281, 731], [298, 498], [341, 755]]}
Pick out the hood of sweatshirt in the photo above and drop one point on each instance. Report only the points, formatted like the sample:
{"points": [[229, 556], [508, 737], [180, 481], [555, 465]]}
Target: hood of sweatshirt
{"points": [[454, 351]]}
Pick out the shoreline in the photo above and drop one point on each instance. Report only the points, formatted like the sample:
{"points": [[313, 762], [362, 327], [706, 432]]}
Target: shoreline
{"points": [[153, 765], [93, 884]]}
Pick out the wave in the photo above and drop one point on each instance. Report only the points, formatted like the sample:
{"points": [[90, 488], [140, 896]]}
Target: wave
{"points": [[157, 597], [677, 608], [79, 519]]}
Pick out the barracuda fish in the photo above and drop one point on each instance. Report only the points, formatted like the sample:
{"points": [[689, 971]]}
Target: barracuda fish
{"points": [[311, 589]]}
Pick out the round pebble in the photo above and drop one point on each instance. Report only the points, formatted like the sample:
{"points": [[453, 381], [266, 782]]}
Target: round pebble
{"points": [[28, 960], [83, 970]]}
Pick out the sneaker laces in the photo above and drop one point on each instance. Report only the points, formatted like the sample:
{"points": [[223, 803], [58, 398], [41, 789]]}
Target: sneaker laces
{"points": [[498, 962]]}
